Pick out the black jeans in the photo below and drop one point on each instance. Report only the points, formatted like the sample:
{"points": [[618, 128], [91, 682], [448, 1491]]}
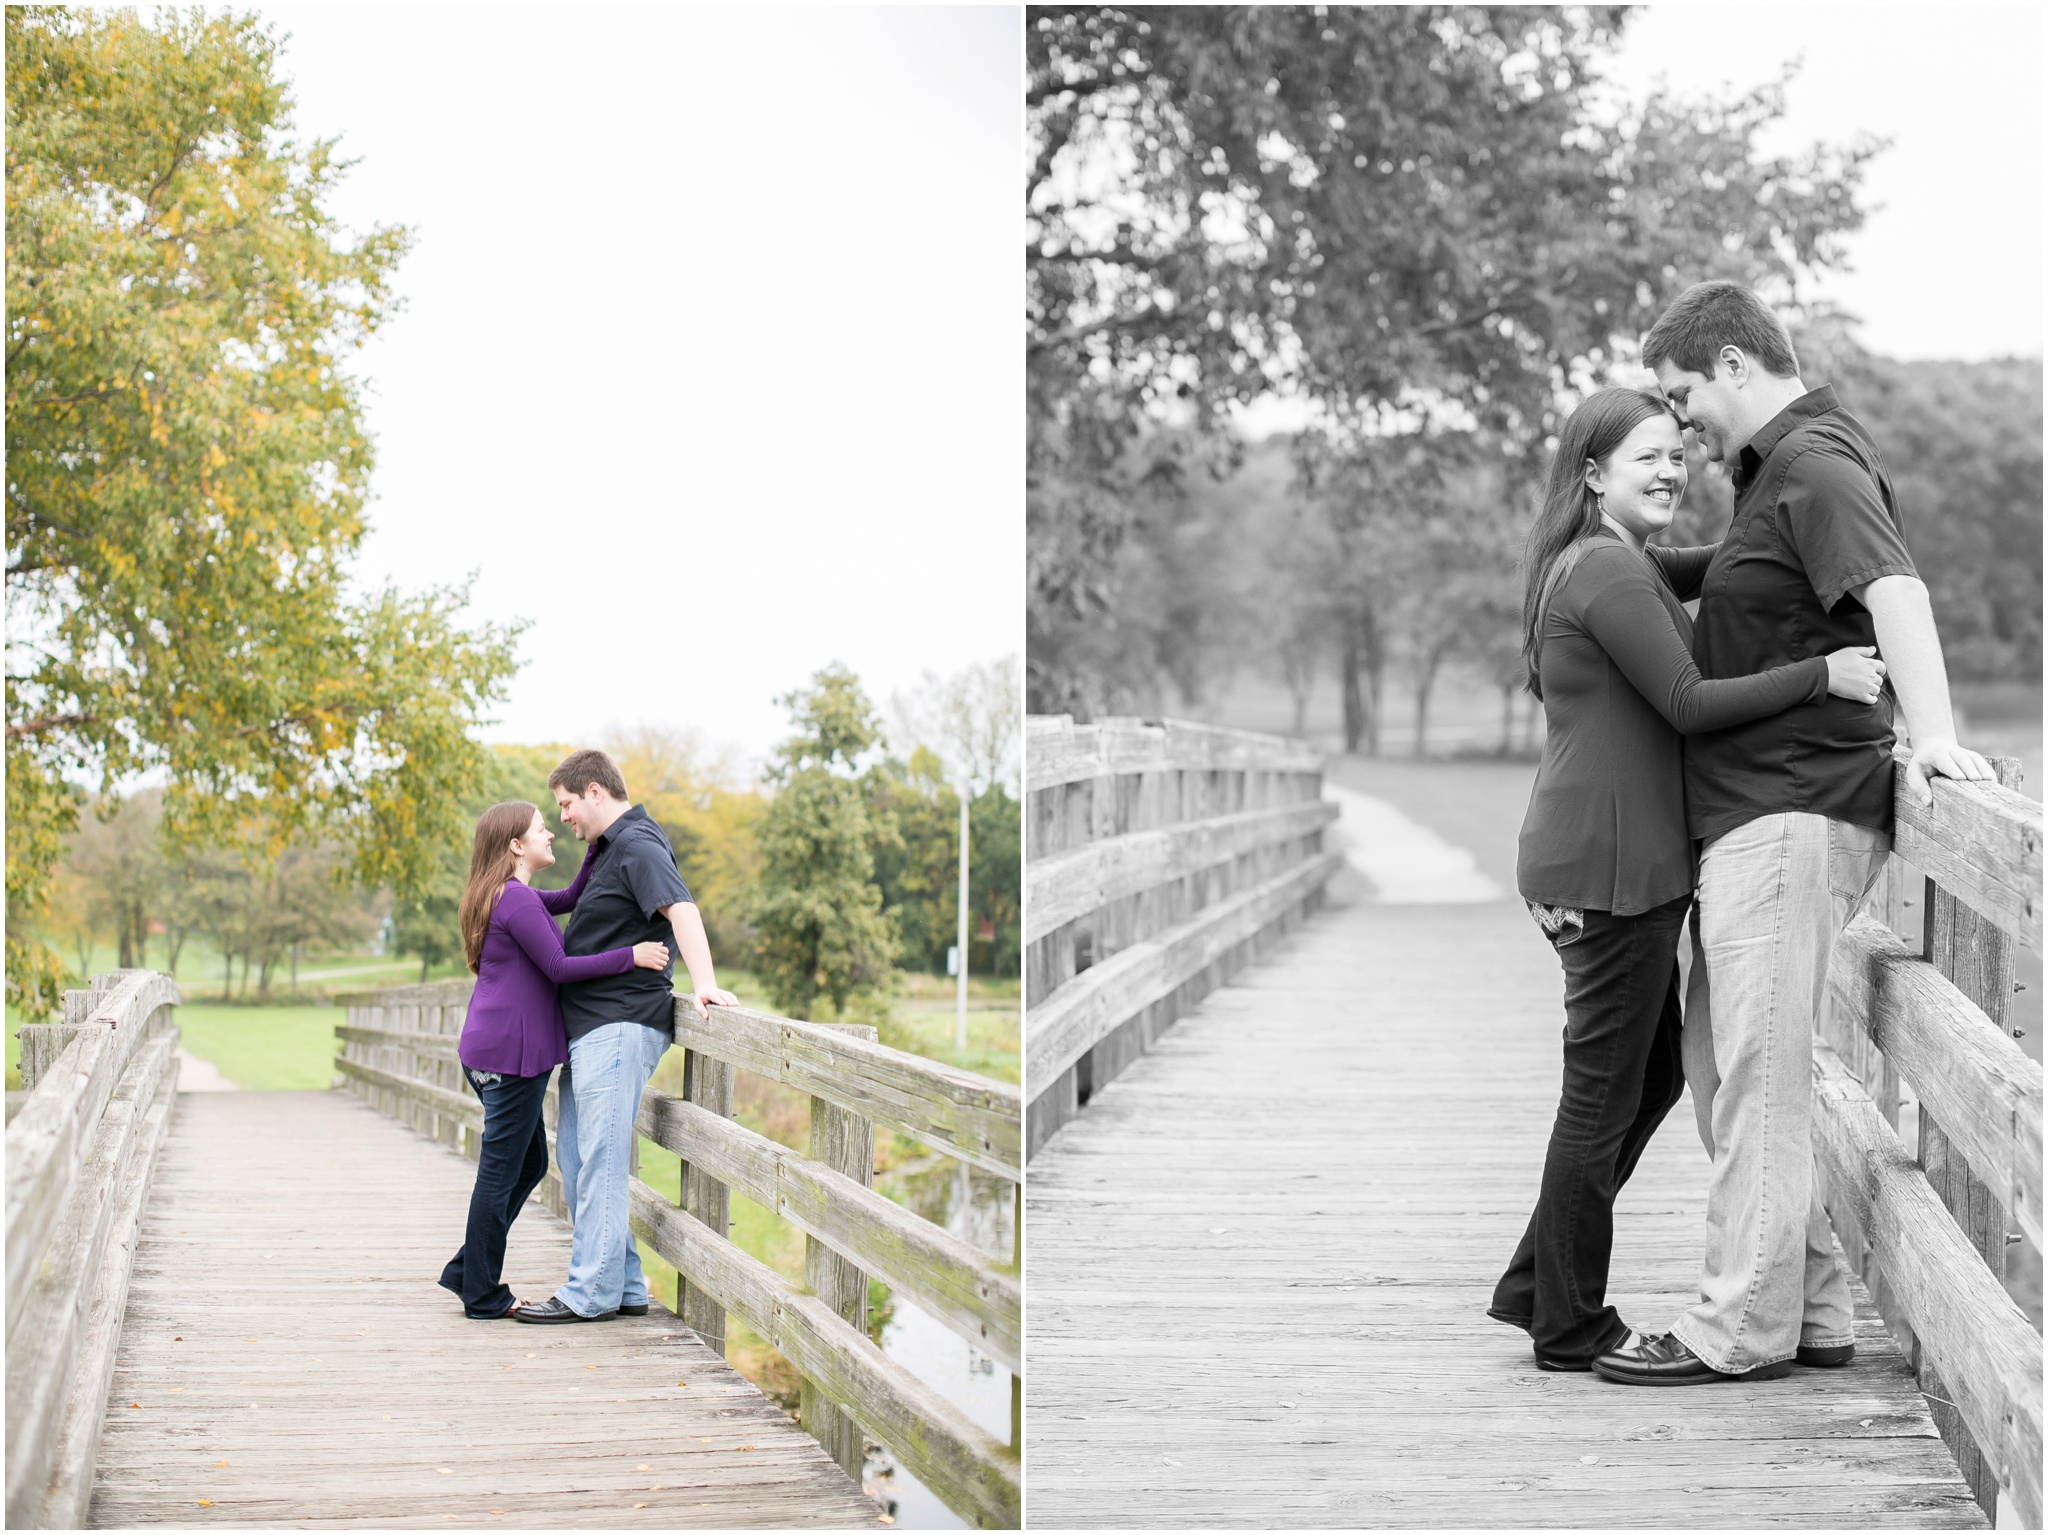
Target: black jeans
{"points": [[1622, 1075], [511, 1161]]}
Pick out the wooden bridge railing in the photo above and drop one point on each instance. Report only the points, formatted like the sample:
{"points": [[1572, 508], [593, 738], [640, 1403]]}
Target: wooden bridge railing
{"points": [[1927, 1014], [80, 1155], [1159, 857], [399, 1054]]}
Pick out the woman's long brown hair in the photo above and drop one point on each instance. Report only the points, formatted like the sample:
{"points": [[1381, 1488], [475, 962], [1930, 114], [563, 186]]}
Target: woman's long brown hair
{"points": [[490, 864], [1571, 511]]}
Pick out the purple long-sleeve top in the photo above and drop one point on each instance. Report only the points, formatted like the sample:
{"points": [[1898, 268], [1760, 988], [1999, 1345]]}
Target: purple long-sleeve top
{"points": [[515, 1017]]}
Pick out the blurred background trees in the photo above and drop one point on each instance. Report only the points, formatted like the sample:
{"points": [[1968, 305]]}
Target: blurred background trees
{"points": [[1309, 290]]}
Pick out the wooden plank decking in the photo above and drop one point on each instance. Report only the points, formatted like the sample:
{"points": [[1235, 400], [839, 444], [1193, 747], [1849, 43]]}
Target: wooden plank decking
{"points": [[288, 1360], [1259, 1263]]}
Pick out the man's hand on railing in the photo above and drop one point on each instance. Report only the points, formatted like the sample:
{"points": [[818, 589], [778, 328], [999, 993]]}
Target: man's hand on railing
{"points": [[713, 994], [1944, 759]]}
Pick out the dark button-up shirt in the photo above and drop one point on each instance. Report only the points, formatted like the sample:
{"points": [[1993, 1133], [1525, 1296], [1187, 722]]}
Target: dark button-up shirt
{"points": [[1815, 516], [633, 878], [1606, 824]]}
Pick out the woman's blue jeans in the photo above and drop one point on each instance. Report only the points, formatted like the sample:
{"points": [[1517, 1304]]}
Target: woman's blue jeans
{"points": [[511, 1161]]}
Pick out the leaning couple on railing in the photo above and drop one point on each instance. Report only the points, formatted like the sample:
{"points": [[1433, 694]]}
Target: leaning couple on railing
{"points": [[1740, 765], [598, 1002]]}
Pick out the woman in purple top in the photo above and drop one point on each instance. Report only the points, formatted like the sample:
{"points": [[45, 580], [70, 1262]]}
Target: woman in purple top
{"points": [[512, 1037]]}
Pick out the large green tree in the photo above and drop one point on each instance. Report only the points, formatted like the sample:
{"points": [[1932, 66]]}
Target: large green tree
{"points": [[1420, 218], [818, 911], [187, 466]]}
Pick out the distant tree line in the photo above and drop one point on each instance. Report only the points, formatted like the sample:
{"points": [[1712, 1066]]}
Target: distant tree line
{"points": [[824, 880]]}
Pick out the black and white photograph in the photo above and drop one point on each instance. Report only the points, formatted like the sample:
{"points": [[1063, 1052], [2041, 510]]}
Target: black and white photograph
{"points": [[1532, 767]]}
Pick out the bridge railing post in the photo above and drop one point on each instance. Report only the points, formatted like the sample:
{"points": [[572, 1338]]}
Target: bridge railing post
{"points": [[845, 1142], [707, 1082], [1920, 1010]]}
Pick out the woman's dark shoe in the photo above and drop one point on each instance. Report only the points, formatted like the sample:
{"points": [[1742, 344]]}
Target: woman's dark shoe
{"points": [[552, 1310], [639, 1310], [1666, 1361], [1629, 1339], [1826, 1357], [493, 1316]]}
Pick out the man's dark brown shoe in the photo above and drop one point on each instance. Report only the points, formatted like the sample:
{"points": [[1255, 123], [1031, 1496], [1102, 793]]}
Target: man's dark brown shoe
{"points": [[1666, 1361], [1831, 1357]]}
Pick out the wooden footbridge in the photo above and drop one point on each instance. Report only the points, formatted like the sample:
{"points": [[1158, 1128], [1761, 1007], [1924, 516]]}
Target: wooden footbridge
{"points": [[1284, 1138], [222, 1308]]}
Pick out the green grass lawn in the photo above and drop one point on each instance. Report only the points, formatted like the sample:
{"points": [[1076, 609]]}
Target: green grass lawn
{"points": [[264, 1048]]}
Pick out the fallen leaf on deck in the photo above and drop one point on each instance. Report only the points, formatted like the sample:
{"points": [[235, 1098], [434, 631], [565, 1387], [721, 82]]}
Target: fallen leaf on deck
{"points": [[206, 1502], [445, 1470], [220, 1463], [639, 1505], [1169, 1460], [1588, 1460], [134, 1404], [176, 1389]]}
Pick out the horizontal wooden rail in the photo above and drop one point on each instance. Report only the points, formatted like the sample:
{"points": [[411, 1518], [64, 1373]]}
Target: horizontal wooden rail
{"points": [[1980, 842], [956, 1282], [80, 1157], [970, 1117], [851, 1232], [940, 1445], [1057, 751], [1979, 1085], [1061, 1030], [1967, 1326], [1069, 885]]}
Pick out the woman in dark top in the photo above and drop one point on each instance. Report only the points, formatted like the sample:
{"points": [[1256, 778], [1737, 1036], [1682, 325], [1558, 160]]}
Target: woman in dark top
{"points": [[512, 1036], [1605, 864]]}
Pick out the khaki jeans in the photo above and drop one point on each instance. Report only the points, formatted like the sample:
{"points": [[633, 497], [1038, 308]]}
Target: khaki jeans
{"points": [[1775, 895]]}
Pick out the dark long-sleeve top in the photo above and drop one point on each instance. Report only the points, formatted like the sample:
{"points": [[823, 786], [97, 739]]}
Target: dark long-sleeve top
{"points": [[514, 1023], [1606, 825]]}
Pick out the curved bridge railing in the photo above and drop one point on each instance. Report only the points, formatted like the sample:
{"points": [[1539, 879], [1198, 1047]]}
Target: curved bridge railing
{"points": [[398, 1053], [1160, 856], [81, 1151], [1917, 1040]]}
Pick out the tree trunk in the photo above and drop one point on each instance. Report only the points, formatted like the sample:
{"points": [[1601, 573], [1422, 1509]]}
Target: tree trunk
{"points": [[1507, 719], [125, 940], [227, 978], [174, 943], [1354, 698], [295, 968], [423, 967], [263, 979]]}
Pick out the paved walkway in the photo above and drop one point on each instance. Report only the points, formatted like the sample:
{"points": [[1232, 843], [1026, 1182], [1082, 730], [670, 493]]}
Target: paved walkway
{"points": [[288, 1360], [1259, 1264]]}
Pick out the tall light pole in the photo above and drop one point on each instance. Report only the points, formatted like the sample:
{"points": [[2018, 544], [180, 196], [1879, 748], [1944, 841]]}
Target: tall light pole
{"points": [[960, 985]]}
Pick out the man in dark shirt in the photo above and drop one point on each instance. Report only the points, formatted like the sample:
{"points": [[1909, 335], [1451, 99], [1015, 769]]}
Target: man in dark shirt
{"points": [[619, 1026], [1794, 812]]}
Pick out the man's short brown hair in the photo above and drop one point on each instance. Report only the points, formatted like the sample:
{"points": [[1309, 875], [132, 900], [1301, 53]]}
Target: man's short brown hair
{"points": [[579, 770], [1710, 315]]}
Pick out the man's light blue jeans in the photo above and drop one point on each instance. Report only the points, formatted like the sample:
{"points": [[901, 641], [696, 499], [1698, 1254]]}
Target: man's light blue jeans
{"points": [[1775, 895], [600, 1098]]}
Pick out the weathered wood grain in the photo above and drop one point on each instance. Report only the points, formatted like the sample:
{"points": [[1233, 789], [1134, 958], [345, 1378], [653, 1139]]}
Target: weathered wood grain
{"points": [[978, 1120], [60, 1355], [1981, 842], [1063, 1027], [942, 1447], [1966, 1325], [47, 1137], [707, 1088], [1969, 1072], [956, 1282], [292, 1360], [1070, 884], [1058, 751], [1260, 1263], [842, 1144]]}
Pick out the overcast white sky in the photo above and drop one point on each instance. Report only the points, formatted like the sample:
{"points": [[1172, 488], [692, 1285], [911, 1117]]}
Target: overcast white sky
{"points": [[710, 362], [1951, 263]]}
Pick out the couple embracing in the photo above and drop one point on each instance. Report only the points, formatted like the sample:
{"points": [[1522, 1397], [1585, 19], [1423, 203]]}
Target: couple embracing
{"points": [[1740, 766], [598, 1002]]}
